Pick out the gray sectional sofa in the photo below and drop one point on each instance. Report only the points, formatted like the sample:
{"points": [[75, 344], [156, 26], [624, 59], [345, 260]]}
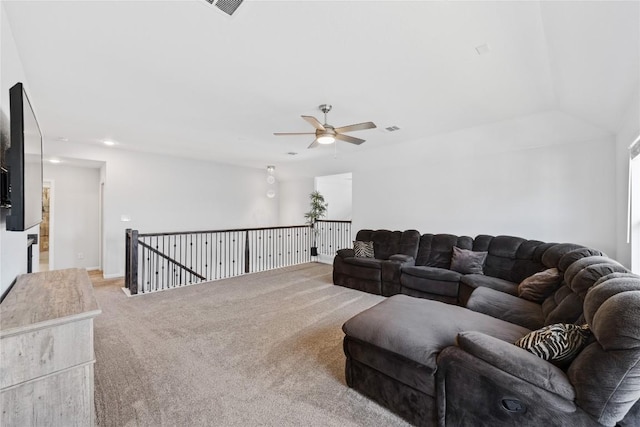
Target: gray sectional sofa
{"points": [[447, 358]]}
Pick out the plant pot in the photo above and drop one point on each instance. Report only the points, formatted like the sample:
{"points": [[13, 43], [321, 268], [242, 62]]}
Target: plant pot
{"points": [[314, 251]]}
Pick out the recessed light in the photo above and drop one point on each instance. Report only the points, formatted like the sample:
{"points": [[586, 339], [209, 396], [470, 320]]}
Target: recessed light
{"points": [[109, 142], [55, 161], [63, 139]]}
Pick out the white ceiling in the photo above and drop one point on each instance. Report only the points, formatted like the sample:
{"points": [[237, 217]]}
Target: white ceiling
{"points": [[182, 77]]}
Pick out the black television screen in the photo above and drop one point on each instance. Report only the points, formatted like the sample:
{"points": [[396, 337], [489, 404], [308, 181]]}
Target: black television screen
{"points": [[24, 162]]}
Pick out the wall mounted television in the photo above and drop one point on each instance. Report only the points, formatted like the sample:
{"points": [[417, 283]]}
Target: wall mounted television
{"points": [[24, 163]]}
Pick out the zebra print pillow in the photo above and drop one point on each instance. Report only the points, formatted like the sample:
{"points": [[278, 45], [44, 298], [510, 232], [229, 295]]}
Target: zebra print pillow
{"points": [[363, 249], [558, 343]]}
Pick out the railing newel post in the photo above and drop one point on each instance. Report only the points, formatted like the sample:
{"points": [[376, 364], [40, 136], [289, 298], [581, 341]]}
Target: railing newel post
{"points": [[133, 255], [127, 258], [247, 253]]}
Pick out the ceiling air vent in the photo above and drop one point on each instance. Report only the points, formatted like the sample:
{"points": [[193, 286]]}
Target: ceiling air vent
{"points": [[227, 6], [392, 128]]}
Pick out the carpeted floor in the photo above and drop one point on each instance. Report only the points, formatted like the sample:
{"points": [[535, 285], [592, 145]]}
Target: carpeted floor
{"points": [[259, 350]]}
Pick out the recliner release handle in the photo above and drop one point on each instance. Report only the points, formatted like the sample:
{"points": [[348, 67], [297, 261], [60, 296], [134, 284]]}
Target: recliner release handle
{"points": [[513, 405]]}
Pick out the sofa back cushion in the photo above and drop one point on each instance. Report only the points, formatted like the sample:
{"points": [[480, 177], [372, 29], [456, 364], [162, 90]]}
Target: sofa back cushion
{"points": [[435, 250], [510, 258], [606, 374], [552, 256], [572, 256], [387, 243], [566, 304]]}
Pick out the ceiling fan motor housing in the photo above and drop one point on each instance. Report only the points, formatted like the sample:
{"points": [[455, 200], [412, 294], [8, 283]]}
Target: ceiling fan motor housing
{"points": [[327, 134], [325, 108]]}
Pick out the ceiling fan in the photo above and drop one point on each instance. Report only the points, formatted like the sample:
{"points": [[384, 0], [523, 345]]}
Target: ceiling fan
{"points": [[327, 134]]}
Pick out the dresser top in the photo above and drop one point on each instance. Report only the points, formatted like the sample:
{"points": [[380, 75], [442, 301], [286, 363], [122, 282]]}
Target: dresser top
{"points": [[38, 300]]}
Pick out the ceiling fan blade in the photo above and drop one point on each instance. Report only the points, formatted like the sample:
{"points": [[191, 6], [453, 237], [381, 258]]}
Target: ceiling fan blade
{"points": [[314, 122], [314, 144], [347, 138], [359, 126], [294, 133]]}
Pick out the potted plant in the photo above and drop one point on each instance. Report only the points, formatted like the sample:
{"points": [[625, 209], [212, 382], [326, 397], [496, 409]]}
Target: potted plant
{"points": [[318, 210]]}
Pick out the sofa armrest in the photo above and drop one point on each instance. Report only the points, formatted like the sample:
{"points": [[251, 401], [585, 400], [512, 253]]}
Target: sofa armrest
{"points": [[471, 391], [391, 270], [506, 307], [346, 253], [404, 259], [517, 362]]}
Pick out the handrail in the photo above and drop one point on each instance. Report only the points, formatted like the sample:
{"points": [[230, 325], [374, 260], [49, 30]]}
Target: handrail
{"points": [[157, 261], [340, 221], [184, 267], [230, 230]]}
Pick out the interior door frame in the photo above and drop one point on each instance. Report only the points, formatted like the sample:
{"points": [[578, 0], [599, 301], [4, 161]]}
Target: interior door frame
{"points": [[50, 183]]}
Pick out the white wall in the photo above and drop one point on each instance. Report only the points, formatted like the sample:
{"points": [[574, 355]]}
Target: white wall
{"points": [[629, 131], [294, 200], [337, 192], [160, 193], [481, 184], [635, 216], [75, 210], [13, 245]]}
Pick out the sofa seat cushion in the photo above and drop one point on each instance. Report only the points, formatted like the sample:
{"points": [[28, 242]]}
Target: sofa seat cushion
{"points": [[506, 307], [418, 329], [432, 281], [369, 269], [364, 262], [479, 280], [434, 273]]}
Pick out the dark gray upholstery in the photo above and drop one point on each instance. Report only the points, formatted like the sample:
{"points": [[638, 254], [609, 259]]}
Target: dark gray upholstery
{"points": [[420, 266], [435, 249], [572, 256], [379, 275], [606, 374], [510, 259], [431, 276], [440, 364], [419, 329], [551, 257], [430, 282], [604, 377], [475, 281], [566, 304], [506, 307], [392, 348], [563, 306], [517, 362]]}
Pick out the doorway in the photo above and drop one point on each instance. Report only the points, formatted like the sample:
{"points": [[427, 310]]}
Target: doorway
{"points": [[335, 231], [46, 227]]}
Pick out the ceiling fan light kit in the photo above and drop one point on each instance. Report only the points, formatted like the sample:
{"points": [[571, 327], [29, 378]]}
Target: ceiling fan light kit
{"points": [[327, 134], [326, 139]]}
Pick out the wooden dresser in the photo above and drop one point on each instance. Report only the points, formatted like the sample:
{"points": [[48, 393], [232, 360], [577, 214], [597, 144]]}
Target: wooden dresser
{"points": [[46, 350]]}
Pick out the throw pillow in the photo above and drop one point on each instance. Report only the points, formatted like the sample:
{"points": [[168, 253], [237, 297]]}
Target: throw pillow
{"points": [[538, 287], [467, 262], [559, 343], [363, 249]]}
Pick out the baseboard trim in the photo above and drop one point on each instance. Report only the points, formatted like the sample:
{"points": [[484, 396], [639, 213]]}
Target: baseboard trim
{"points": [[325, 258], [112, 276]]}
